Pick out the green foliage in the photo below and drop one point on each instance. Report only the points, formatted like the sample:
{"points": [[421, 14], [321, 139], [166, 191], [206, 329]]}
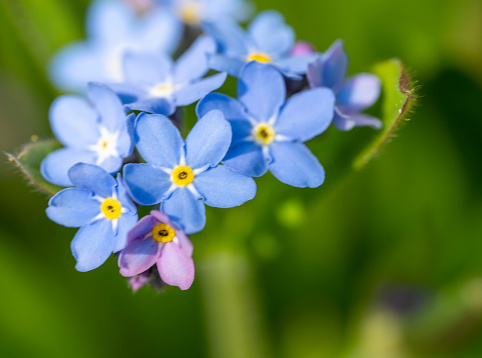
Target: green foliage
{"points": [[29, 159]]}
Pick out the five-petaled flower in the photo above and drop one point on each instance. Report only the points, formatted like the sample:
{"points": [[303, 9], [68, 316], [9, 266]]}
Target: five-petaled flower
{"points": [[185, 176], [95, 133], [101, 207], [154, 84], [352, 95], [269, 133], [155, 240], [267, 40]]}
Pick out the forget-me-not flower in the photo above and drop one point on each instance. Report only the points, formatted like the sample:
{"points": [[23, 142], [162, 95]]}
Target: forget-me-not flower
{"points": [[268, 133], [101, 207], [154, 84], [155, 240], [353, 95], [97, 133], [113, 27], [185, 176], [267, 40]]}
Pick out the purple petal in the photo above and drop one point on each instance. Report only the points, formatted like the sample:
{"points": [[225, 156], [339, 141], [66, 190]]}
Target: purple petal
{"points": [[175, 267], [359, 92], [138, 256]]}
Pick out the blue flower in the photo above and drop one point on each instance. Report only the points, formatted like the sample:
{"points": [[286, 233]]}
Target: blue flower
{"points": [[100, 206], [96, 133], [154, 84], [269, 133], [268, 40], [185, 176], [195, 12], [352, 95], [112, 28]]}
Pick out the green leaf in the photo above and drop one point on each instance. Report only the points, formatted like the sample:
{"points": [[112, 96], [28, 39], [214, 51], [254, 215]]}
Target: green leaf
{"points": [[397, 97], [29, 159]]}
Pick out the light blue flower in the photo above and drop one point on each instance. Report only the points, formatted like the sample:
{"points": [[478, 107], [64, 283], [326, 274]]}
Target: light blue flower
{"points": [[267, 40], [100, 206], [97, 133], [353, 95], [196, 12], [113, 27], [154, 84], [185, 176], [268, 133]]}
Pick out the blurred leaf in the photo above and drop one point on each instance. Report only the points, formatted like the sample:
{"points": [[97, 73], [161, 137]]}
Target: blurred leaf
{"points": [[398, 98], [29, 159]]}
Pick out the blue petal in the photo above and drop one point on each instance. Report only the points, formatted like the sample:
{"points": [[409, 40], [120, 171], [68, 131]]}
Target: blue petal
{"points": [[342, 121], [125, 141], [73, 207], [109, 21], [110, 164], [197, 90], [335, 64], [296, 64], [295, 165], [222, 63], [271, 34], [186, 210], [223, 188], [261, 89], [127, 92], [125, 223], [74, 122], [93, 244], [146, 69], [123, 196], [231, 38], [163, 106], [346, 122], [55, 167], [247, 158], [146, 183], [359, 92], [208, 141], [193, 64], [158, 140], [94, 178], [306, 114], [76, 64], [109, 106], [314, 73]]}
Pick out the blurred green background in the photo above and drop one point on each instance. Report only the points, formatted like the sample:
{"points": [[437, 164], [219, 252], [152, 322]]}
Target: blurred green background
{"points": [[385, 263]]}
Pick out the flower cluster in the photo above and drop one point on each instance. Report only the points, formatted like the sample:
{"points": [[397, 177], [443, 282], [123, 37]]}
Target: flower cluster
{"points": [[122, 146]]}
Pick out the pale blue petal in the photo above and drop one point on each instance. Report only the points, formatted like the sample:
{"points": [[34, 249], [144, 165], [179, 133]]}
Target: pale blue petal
{"points": [[158, 140], [109, 21], [186, 210], [125, 141], [197, 90], [314, 73], [125, 223], [146, 69], [306, 114], [335, 64], [73, 207], [343, 122], [208, 141], [74, 122], [164, 106], [296, 64], [108, 105], [262, 91], [271, 34], [159, 31], [349, 121], [55, 167], [231, 39], [247, 158], [94, 178], [193, 64], [93, 244], [146, 183], [295, 165], [222, 63], [123, 196], [224, 188], [359, 92], [111, 164]]}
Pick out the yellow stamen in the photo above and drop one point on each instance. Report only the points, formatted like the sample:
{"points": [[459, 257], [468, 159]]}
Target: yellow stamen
{"points": [[111, 208], [163, 233], [182, 175], [162, 90], [190, 13], [264, 134], [258, 56]]}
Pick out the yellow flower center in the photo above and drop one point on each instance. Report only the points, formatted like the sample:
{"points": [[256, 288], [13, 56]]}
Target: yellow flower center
{"points": [[258, 56], [163, 233], [162, 90], [182, 175], [111, 208], [264, 134], [190, 13]]}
